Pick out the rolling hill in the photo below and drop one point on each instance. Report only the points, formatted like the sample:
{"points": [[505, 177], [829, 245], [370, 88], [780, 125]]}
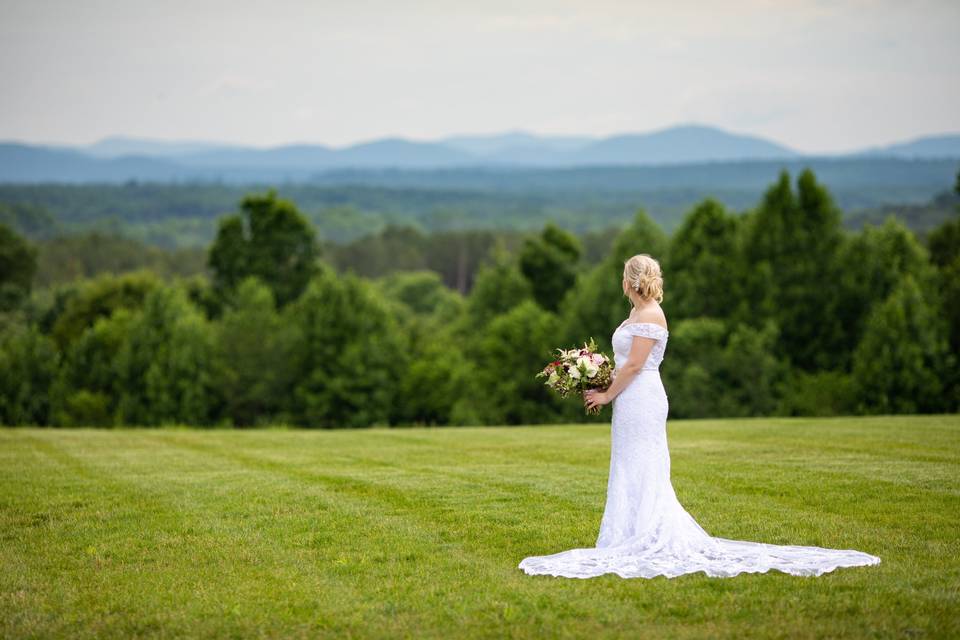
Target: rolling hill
{"points": [[120, 159]]}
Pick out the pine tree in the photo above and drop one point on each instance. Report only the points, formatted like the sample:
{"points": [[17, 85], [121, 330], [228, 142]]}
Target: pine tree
{"points": [[549, 262], [791, 247], [897, 366], [702, 253], [18, 264], [596, 304]]}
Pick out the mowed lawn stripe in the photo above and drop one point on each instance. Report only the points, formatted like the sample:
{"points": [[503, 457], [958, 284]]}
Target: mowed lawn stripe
{"points": [[367, 520], [799, 490], [416, 532], [568, 600], [185, 553], [350, 564], [450, 535], [782, 515], [430, 508], [394, 470], [781, 494]]}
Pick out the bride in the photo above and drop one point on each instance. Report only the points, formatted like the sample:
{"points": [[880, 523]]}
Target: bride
{"points": [[645, 532]]}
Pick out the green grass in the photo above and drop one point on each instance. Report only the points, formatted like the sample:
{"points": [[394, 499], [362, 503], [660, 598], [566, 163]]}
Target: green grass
{"points": [[418, 532]]}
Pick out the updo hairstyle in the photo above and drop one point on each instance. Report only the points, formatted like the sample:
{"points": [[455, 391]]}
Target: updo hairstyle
{"points": [[643, 275]]}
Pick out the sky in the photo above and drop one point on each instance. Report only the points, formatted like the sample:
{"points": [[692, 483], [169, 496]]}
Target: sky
{"points": [[819, 77]]}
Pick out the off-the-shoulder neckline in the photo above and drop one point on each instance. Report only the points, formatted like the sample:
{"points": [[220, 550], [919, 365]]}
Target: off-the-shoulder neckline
{"points": [[652, 324]]}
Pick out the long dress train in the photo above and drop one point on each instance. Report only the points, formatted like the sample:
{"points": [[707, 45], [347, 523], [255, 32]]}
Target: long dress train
{"points": [[645, 531]]}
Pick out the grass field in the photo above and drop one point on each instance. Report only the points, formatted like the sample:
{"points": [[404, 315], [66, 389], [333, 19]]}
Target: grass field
{"points": [[418, 532]]}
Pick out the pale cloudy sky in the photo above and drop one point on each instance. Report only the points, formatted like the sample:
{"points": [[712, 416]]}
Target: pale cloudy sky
{"points": [[817, 76]]}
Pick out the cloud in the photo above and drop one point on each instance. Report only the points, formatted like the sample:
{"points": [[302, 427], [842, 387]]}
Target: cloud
{"points": [[813, 74]]}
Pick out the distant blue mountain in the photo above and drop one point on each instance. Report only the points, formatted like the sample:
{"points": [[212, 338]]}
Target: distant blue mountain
{"points": [[399, 153], [117, 146], [118, 159], [515, 142], [23, 163], [679, 145], [674, 145], [941, 146], [299, 156], [390, 152]]}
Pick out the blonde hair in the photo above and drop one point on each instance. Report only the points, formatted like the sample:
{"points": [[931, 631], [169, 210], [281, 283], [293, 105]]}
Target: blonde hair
{"points": [[643, 275]]}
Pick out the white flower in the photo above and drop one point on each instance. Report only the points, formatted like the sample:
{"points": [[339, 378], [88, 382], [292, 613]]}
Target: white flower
{"points": [[587, 363]]}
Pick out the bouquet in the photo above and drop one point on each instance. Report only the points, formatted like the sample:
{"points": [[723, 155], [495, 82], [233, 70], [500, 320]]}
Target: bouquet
{"points": [[577, 370]]}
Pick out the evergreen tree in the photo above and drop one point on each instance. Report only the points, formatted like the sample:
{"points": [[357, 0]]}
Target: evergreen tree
{"points": [[872, 263], [791, 249], [944, 243], [703, 252], [18, 264], [897, 366], [712, 369], [549, 262], [596, 303]]}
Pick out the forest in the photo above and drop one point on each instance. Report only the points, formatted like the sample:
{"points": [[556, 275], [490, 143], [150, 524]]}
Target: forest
{"points": [[780, 310], [344, 206]]}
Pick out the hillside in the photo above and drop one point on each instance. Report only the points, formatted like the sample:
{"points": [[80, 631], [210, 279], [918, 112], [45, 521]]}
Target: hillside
{"points": [[345, 205], [119, 159]]}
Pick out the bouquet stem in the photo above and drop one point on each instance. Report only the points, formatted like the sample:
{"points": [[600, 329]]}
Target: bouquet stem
{"points": [[593, 411]]}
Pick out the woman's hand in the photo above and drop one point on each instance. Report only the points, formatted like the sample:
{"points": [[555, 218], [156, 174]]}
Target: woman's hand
{"points": [[595, 398]]}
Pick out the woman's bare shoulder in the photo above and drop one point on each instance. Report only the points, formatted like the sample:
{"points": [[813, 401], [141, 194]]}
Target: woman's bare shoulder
{"points": [[652, 313]]}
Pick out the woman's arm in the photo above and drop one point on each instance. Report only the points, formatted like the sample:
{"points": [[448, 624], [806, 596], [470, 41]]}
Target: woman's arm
{"points": [[639, 352]]}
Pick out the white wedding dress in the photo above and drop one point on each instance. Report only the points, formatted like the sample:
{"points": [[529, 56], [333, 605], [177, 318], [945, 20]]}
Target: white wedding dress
{"points": [[645, 532]]}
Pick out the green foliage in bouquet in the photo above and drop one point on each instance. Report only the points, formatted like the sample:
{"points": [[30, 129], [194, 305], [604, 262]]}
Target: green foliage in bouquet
{"points": [[577, 370]]}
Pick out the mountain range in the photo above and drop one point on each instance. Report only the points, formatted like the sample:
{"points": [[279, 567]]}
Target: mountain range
{"points": [[118, 159]]}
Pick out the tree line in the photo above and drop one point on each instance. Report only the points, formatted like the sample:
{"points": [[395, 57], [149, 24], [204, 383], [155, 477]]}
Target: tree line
{"points": [[346, 205], [778, 310]]}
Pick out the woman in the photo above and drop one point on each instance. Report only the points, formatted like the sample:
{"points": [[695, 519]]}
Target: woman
{"points": [[645, 532]]}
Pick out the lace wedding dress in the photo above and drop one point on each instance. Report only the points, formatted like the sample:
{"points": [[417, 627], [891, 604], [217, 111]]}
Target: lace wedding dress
{"points": [[645, 532]]}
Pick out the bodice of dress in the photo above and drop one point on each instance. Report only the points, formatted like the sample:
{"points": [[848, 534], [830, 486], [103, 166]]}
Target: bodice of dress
{"points": [[622, 340]]}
